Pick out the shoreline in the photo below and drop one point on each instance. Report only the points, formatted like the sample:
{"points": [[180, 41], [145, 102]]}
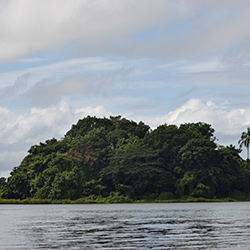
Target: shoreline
{"points": [[107, 201]]}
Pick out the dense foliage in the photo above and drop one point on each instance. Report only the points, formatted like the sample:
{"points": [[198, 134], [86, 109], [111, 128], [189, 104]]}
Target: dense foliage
{"points": [[106, 157]]}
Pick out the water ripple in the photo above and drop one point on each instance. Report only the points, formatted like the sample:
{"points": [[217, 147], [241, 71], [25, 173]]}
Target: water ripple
{"points": [[126, 226]]}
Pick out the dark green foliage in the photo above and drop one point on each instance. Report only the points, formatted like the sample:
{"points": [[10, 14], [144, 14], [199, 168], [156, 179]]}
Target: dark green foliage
{"points": [[2, 182], [138, 166], [119, 160]]}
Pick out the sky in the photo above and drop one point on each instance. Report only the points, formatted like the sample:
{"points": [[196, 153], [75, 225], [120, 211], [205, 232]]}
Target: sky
{"points": [[156, 61]]}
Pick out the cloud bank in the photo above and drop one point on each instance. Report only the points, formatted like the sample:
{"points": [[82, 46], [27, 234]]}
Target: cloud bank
{"points": [[19, 132], [158, 61], [170, 29]]}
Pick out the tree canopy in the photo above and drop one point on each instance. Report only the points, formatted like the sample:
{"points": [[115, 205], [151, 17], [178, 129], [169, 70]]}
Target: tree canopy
{"points": [[103, 156], [245, 140]]}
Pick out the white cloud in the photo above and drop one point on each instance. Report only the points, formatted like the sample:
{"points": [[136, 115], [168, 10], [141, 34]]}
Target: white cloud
{"points": [[229, 77], [29, 26], [47, 92], [45, 85], [57, 71], [31, 60], [44, 123], [21, 84], [203, 66], [120, 27], [228, 124], [98, 111], [202, 46], [18, 132]]}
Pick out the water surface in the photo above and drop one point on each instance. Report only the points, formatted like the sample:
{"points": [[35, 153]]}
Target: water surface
{"points": [[126, 226]]}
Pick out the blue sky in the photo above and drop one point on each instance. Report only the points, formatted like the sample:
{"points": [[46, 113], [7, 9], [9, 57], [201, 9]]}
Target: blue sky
{"points": [[158, 61]]}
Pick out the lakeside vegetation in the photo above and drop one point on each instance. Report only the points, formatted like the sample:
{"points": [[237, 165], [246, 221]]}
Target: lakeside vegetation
{"points": [[115, 160], [102, 200]]}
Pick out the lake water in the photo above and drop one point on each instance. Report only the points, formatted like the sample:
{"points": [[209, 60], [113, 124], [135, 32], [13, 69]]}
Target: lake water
{"points": [[126, 226]]}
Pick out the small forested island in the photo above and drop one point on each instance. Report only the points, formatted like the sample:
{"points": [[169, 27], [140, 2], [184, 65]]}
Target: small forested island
{"points": [[118, 160]]}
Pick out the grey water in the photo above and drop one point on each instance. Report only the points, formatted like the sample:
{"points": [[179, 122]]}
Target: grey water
{"points": [[126, 226]]}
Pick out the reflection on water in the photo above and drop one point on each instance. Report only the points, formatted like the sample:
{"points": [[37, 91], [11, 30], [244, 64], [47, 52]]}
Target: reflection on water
{"points": [[126, 226]]}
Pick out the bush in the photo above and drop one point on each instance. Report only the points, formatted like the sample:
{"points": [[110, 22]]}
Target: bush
{"points": [[166, 196]]}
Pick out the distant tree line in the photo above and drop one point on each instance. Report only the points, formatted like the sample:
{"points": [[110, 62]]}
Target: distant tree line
{"points": [[107, 156]]}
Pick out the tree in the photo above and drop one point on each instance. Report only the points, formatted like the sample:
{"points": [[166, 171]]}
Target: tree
{"points": [[108, 157], [245, 140], [198, 160], [2, 181], [135, 166]]}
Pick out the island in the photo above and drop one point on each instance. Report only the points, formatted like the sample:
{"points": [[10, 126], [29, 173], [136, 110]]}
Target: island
{"points": [[106, 160]]}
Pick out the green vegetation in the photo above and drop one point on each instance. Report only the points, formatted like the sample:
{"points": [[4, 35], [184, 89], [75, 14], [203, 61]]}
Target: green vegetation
{"points": [[245, 140], [103, 160]]}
